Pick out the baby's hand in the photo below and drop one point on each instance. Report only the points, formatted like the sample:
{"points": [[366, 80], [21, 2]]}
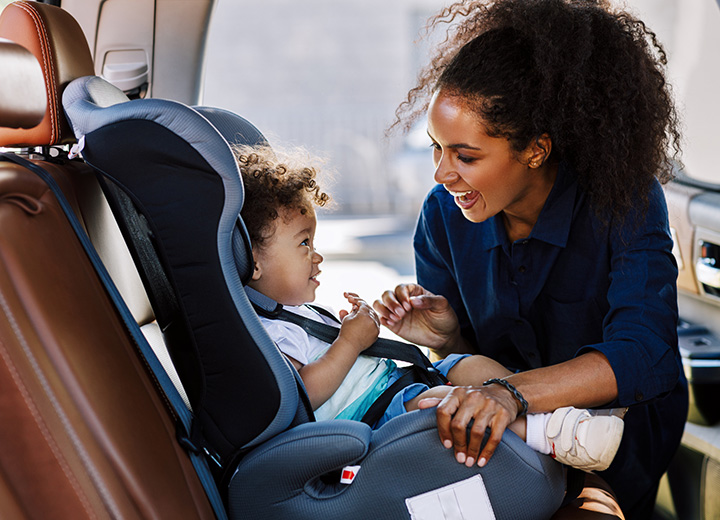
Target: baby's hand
{"points": [[360, 326]]}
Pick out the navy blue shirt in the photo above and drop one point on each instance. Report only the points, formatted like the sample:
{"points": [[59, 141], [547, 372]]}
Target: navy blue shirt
{"points": [[573, 285]]}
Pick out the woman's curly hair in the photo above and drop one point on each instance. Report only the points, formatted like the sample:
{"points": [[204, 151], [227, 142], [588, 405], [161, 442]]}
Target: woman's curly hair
{"points": [[275, 182], [591, 78]]}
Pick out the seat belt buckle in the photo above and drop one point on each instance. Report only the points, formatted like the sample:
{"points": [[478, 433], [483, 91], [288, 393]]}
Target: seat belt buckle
{"points": [[348, 474]]}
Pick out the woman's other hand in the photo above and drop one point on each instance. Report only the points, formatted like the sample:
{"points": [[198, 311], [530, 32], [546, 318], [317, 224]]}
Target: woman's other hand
{"points": [[488, 406], [421, 317]]}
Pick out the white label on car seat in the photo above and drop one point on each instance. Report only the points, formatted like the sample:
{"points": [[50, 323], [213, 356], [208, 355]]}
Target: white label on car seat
{"points": [[464, 500]]}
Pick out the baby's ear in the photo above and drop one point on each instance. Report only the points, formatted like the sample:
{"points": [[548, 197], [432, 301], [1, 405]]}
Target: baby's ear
{"points": [[257, 271]]}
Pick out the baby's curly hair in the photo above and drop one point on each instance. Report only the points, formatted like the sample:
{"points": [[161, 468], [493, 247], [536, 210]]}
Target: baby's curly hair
{"points": [[274, 181], [591, 78]]}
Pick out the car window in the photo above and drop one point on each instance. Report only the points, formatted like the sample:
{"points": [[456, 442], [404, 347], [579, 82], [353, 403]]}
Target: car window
{"points": [[329, 75], [690, 31]]}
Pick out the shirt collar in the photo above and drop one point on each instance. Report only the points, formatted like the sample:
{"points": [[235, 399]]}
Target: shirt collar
{"points": [[553, 224]]}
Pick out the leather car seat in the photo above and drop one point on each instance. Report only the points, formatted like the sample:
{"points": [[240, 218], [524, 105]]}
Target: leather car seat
{"points": [[84, 430]]}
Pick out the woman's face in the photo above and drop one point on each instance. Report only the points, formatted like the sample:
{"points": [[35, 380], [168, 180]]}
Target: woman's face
{"points": [[483, 173]]}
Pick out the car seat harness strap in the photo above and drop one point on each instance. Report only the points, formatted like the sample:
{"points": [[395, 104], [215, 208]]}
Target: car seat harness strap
{"points": [[421, 369]]}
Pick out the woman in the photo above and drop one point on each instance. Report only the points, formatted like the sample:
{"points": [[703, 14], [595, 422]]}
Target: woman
{"points": [[545, 245]]}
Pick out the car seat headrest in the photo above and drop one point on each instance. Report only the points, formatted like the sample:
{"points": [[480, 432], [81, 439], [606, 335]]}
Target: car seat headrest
{"points": [[234, 128], [22, 88], [59, 45]]}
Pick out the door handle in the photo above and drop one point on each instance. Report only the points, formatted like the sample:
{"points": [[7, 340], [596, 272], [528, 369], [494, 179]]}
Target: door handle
{"points": [[705, 268], [707, 274]]}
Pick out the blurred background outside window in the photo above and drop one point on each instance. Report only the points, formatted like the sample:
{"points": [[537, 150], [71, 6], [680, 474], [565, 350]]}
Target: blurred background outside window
{"points": [[329, 75]]}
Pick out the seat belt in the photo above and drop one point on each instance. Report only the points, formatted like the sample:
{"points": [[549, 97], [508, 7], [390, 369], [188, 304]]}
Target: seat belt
{"points": [[183, 416], [421, 369], [382, 347]]}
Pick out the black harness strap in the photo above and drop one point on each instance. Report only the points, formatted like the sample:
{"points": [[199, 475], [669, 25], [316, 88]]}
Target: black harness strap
{"points": [[421, 369], [575, 484], [377, 409]]}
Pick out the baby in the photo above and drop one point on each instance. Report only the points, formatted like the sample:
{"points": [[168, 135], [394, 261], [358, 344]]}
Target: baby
{"points": [[281, 193]]}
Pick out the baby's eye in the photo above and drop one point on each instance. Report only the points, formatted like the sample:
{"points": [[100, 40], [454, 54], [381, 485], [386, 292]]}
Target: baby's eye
{"points": [[305, 242]]}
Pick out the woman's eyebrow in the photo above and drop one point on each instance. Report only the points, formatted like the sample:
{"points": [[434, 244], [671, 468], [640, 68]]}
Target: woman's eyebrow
{"points": [[458, 145]]}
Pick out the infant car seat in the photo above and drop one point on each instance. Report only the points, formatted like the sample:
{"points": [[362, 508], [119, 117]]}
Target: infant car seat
{"points": [[178, 192]]}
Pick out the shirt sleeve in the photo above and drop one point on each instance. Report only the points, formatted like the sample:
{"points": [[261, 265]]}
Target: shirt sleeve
{"points": [[290, 339], [640, 329]]}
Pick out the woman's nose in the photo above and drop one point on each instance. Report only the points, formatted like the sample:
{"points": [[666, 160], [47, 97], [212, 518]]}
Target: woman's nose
{"points": [[443, 171]]}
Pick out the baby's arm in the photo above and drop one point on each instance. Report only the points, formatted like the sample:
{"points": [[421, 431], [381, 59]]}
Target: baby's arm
{"points": [[359, 330]]}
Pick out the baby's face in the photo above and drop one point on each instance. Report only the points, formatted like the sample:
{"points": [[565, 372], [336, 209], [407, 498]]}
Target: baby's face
{"points": [[288, 265]]}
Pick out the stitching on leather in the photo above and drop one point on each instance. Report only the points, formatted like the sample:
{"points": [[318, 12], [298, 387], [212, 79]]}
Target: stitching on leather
{"points": [[47, 61], [72, 434], [30, 402]]}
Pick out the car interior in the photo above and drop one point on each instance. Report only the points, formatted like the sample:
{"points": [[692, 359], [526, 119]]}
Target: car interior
{"points": [[119, 394], [226, 428]]}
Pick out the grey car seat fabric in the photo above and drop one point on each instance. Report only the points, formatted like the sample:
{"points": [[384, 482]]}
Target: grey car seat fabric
{"points": [[175, 166]]}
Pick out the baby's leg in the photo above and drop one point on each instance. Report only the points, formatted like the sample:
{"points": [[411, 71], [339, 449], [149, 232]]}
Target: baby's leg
{"points": [[519, 426], [475, 370], [437, 391]]}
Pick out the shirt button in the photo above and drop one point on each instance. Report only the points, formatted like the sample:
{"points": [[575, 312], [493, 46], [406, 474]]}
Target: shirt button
{"points": [[639, 396], [524, 242], [522, 268]]}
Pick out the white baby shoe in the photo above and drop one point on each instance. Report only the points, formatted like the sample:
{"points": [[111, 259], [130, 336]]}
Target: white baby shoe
{"points": [[584, 439]]}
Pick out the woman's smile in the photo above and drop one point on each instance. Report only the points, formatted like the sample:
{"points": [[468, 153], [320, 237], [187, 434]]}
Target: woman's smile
{"points": [[465, 199], [484, 173]]}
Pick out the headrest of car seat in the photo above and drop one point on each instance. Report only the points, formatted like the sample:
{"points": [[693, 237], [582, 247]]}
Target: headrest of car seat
{"points": [[57, 41], [183, 179], [22, 89], [232, 127]]}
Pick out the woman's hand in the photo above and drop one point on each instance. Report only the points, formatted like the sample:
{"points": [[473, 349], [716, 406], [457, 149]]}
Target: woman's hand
{"points": [[489, 406], [421, 317], [360, 326]]}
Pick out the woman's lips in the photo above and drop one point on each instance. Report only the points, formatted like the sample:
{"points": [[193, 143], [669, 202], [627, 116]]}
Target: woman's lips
{"points": [[465, 199]]}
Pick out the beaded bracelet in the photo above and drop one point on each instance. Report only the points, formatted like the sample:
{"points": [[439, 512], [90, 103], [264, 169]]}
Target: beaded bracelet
{"points": [[514, 391]]}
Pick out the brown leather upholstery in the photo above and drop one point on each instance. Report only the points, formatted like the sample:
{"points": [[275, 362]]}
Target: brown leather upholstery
{"points": [[22, 93], [63, 54], [84, 432]]}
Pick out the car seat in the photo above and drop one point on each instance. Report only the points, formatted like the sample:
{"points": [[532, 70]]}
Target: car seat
{"points": [[85, 431], [181, 188]]}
